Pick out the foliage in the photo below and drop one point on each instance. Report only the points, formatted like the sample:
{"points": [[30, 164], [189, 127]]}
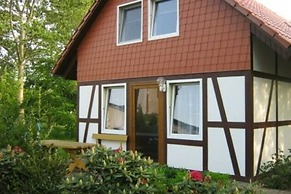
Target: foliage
{"points": [[218, 177], [184, 182], [276, 174], [32, 35], [35, 170], [9, 109], [116, 171]]}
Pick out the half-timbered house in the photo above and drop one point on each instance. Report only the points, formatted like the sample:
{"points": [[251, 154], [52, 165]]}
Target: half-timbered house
{"points": [[197, 84]]}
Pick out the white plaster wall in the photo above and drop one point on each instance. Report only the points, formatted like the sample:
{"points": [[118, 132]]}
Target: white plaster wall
{"points": [[262, 88], [213, 111], [269, 145], [258, 134], [84, 100], [233, 95], [81, 131], [284, 101], [272, 112], [113, 144], [284, 134], [182, 156], [93, 128], [239, 143], [95, 105], [218, 153]]}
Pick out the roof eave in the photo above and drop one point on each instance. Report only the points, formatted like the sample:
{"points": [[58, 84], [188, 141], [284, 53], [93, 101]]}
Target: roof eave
{"points": [[286, 43], [68, 56]]}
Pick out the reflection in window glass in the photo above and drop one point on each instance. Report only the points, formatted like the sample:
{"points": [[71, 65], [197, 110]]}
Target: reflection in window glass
{"points": [[115, 108], [165, 17], [130, 23], [185, 116]]}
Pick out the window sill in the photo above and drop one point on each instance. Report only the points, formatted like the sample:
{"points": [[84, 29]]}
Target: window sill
{"points": [[164, 36], [127, 43]]}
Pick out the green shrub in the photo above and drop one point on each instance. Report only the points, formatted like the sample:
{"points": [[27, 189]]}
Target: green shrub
{"points": [[218, 177], [115, 171], [276, 174], [35, 170], [196, 182]]}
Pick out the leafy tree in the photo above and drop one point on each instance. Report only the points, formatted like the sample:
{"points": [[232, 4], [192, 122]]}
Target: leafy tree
{"points": [[9, 108], [32, 35]]}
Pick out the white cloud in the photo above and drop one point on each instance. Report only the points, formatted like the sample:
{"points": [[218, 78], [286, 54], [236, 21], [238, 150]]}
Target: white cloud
{"points": [[281, 7]]}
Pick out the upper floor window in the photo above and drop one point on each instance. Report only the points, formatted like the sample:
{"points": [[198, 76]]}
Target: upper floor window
{"points": [[164, 18], [185, 109], [129, 23], [113, 107]]}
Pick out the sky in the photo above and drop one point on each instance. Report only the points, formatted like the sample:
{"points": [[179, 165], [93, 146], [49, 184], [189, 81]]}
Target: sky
{"points": [[281, 7]]}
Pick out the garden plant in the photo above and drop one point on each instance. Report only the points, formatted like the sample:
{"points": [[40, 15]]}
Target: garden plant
{"points": [[276, 174], [37, 169], [32, 170], [118, 171]]}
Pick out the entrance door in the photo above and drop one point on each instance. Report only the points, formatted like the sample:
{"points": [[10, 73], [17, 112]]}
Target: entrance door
{"points": [[147, 121]]}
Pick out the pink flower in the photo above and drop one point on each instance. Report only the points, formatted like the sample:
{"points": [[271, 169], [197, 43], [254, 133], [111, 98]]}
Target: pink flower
{"points": [[18, 149], [118, 149], [196, 175]]}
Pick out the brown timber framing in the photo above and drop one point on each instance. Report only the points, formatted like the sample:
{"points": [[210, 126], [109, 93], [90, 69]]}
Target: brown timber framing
{"points": [[205, 127], [89, 112], [249, 134], [265, 128], [88, 119], [248, 125], [275, 78], [226, 127]]}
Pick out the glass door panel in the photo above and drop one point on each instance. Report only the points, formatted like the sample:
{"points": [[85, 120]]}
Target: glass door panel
{"points": [[146, 122]]}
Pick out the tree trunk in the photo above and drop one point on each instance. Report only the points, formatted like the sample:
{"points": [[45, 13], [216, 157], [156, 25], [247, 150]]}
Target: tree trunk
{"points": [[21, 66]]}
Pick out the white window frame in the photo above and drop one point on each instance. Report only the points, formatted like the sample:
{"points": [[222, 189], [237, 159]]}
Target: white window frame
{"points": [[170, 134], [151, 8], [120, 9], [104, 108]]}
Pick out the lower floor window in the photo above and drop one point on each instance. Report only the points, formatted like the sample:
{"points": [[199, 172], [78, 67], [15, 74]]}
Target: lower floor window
{"points": [[114, 108], [184, 99]]}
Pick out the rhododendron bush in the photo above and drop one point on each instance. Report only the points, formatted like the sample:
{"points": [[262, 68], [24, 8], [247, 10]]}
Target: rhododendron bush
{"points": [[42, 170], [118, 171]]}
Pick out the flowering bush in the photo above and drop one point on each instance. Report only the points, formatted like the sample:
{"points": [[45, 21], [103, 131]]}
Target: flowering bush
{"points": [[117, 171], [41, 170], [196, 175], [114, 171]]}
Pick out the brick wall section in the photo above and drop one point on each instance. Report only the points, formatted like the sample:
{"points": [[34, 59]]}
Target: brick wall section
{"points": [[213, 37]]}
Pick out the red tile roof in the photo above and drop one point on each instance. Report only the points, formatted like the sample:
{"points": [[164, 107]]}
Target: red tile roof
{"points": [[267, 20], [274, 25]]}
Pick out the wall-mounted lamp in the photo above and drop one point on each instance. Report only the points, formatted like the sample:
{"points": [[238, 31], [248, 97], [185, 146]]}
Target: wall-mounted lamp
{"points": [[162, 84]]}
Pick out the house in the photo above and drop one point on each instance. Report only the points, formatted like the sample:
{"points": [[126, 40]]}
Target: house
{"points": [[197, 84]]}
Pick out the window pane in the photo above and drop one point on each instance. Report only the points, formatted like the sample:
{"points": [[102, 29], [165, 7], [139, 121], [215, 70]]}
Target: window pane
{"points": [[131, 24], [165, 19], [115, 108], [186, 109]]}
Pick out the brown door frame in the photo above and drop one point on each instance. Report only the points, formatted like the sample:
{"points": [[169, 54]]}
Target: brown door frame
{"points": [[161, 118]]}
